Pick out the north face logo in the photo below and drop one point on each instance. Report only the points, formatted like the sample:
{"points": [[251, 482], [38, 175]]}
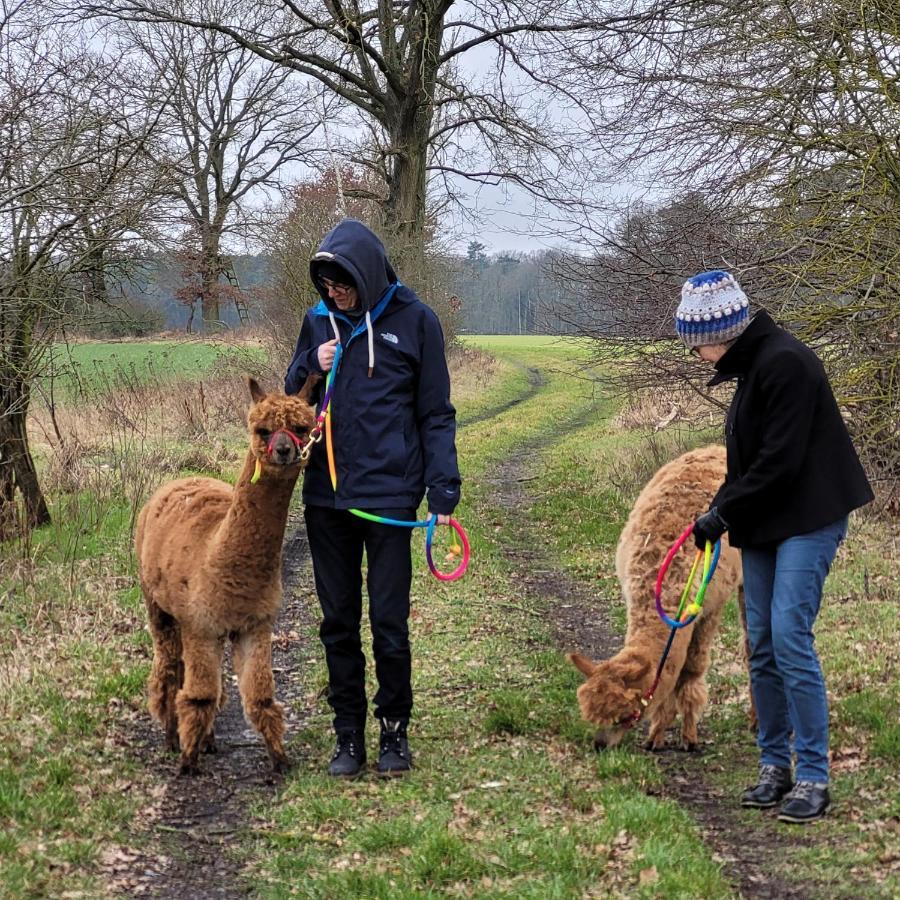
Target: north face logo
{"points": [[390, 337]]}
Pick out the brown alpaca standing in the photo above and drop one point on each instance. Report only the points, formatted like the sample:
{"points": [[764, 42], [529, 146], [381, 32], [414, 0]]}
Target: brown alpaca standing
{"points": [[674, 497], [209, 558]]}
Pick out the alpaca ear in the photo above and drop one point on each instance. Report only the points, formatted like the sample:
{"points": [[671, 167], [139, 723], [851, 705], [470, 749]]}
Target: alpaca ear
{"points": [[256, 392], [309, 386], [583, 664]]}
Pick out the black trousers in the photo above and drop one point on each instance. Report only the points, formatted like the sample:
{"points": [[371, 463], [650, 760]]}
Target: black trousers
{"points": [[336, 541]]}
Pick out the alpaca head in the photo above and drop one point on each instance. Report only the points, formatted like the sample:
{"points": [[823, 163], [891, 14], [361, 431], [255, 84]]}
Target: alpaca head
{"points": [[611, 695], [273, 418]]}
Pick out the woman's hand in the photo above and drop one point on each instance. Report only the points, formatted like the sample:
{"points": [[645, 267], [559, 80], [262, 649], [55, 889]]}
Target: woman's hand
{"points": [[441, 519], [709, 527], [325, 354]]}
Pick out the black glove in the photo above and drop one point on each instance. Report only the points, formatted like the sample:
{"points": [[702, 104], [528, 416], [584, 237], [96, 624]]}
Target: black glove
{"points": [[709, 527]]}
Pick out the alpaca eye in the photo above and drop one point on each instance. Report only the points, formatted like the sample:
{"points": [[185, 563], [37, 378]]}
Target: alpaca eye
{"points": [[299, 430], [263, 433]]}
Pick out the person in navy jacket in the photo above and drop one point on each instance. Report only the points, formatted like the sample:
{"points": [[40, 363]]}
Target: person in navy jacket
{"points": [[394, 440]]}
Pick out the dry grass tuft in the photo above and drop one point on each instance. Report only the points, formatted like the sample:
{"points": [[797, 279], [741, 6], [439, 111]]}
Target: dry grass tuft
{"points": [[656, 411], [470, 371]]}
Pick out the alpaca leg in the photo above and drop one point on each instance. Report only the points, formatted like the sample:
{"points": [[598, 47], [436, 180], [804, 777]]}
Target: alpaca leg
{"points": [[198, 697], [660, 719], [254, 664], [691, 699], [209, 743], [167, 671], [690, 692]]}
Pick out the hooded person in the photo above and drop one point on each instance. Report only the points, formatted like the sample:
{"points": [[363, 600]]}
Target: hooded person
{"points": [[792, 478], [394, 442]]}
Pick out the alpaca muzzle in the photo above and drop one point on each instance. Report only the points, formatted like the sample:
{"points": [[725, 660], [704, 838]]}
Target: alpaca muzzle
{"points": [[284, 447]]}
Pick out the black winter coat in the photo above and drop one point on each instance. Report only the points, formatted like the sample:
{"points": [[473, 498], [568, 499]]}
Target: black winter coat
{"points": [[393, 432], [792, 467]]}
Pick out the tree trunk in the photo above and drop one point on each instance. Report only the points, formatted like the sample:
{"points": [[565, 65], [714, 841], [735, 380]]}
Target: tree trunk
{"points": [[17, 469], [404, 209], [409, 122], [210, 269]]}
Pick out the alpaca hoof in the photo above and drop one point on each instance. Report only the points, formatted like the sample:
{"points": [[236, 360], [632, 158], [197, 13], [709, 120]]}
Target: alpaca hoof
{"points": [[653, 747], [188, 767], [690, 747], [210, 745], [280, 763]]}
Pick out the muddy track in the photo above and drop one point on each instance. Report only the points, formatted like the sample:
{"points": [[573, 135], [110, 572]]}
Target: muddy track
{"points": [[188, 834], [581, 621]]}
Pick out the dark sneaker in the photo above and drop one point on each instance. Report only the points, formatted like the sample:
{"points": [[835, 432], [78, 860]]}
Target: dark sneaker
{"points": [[805, 803], [774, 782], [349, 754], [394, 757]]}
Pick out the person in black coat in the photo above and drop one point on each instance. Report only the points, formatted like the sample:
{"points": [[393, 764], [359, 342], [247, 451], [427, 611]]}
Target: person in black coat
{"points": [[792, 478], [393, 430]]}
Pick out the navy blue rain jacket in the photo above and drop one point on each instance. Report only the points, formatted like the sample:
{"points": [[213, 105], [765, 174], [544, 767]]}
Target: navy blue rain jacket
{"points": [[394, 433]]}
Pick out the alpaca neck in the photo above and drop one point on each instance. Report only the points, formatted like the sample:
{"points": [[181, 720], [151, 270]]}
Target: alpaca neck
{"points": [[254, 525]]}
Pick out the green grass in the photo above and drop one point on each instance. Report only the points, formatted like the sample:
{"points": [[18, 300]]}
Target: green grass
{"points": [[99, 366], [75, 661], [588, 480], [74, 650], [508, 799]]}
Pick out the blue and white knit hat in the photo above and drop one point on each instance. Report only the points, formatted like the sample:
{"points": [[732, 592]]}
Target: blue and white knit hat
{"points": [[713, 309]]}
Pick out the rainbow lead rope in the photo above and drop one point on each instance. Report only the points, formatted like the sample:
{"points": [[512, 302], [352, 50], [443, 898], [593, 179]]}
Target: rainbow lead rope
{"points": [[687, 612], [429, 524]]}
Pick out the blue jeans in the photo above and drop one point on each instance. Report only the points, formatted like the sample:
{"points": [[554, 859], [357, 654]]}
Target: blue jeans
{"points": [[783, 591]]}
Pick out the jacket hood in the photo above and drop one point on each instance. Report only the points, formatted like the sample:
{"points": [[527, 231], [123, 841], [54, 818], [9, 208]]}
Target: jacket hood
{"points": [[737, 358], [359, 250]]}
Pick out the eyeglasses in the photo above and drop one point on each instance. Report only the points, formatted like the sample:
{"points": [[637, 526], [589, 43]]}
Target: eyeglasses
{"points": [[330, 285]]}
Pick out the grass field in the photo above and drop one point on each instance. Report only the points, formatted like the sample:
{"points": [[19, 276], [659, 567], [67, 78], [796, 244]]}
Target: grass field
{"points": [[85, 369], [508, 798]]}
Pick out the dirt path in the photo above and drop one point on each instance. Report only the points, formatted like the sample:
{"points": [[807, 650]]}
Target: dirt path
{"points": [[580, 620], [189, 832]]}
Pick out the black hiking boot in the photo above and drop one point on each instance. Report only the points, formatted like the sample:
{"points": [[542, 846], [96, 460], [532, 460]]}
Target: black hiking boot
{"points": [[394, 757], [349, 754], [774, 782], [805, 803]]}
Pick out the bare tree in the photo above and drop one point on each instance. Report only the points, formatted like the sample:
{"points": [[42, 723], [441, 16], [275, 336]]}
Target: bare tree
{"points": [[438, 99], [294, 228], [60, 133], [787, 111], [234, 123]]}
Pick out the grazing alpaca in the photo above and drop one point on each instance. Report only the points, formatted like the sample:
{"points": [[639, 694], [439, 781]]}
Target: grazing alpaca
{"points": [[674, 497], [209, 558]]}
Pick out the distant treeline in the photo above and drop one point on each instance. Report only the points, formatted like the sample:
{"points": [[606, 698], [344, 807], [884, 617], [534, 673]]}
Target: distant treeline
{"points": [[502, 293]]}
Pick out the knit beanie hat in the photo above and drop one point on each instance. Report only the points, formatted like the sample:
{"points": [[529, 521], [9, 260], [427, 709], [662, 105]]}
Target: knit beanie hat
{"points": [[713, 309]]}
